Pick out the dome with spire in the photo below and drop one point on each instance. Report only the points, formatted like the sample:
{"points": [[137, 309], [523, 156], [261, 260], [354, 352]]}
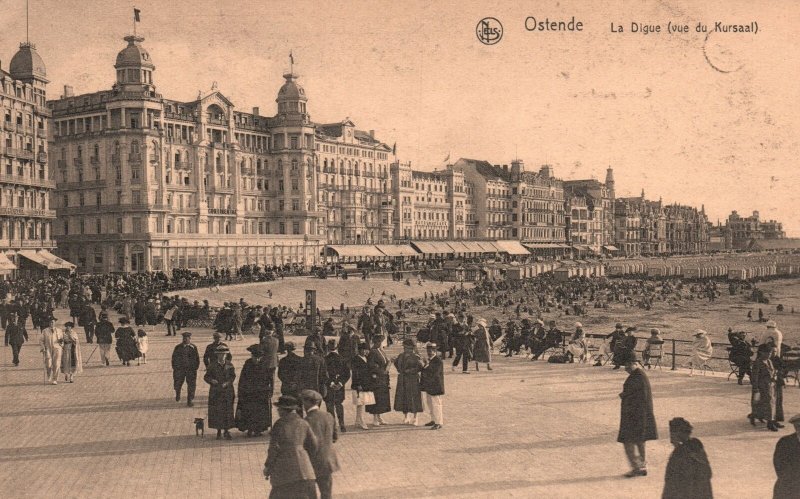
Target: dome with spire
{"points": [[291, 91], [27, 63], [134, 55]]}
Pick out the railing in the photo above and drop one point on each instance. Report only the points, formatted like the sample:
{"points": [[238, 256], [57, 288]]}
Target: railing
{"points": [[222, 211], [62, 163], [42, 157], [17, 179], [177, 116], [216, 121], [27, 212], [19, 153], [89, 184], [115, 159]]}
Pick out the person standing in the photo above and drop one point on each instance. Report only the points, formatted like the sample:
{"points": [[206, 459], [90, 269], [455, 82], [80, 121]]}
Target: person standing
{"points": [[52, 343], [483, 345], [313, 375], [762, 379], [208, 355], [71, 361], [378, 366], [269, 349], [289, 370], [324, 460], [15, 336], [254, 411], [786, 461], [361, 384], [637, 422], [185, 363], [432, 383], [774, 335], [126, 342], [288, 465], [348, 343], [104, 332], [338, 375], [87, 320], [614, 337], [407, 396], [688, 474], [169, 319], [220, 376]]}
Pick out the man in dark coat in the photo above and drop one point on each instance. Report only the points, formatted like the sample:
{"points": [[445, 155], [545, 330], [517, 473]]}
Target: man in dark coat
{"points": [[787, 463], [624, 348], [185, 363], [289, 369], [220, 375], [288, 466], [338, 376], [104, 332], [277, 320], [313, 375], [637, 422], [316, 340], [324, 461], [613, 338], [432, 383], [269, 347], [15, 336], [688, 474], [348, 343], [87, 320]]}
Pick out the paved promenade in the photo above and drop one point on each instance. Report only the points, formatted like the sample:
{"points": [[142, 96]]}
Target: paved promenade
{"points": [[527, 429]]}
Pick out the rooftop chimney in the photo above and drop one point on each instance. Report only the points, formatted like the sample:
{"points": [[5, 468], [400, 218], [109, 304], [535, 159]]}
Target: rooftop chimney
{"points": [[505, 168], [372, 134], [68, 91], [255, 111], [546, 171]]}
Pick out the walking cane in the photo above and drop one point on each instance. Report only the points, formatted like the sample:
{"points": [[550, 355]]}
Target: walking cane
{"points": [[90, 356], [44, 359]]}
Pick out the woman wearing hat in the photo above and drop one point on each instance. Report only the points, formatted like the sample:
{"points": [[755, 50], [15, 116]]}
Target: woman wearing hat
{"points": [[362, 385], [762, 400], [126, 342], [71, 361], [220, 375], [378, 365], [701, 351], [407, 396], [254, 411], [483, 345]]}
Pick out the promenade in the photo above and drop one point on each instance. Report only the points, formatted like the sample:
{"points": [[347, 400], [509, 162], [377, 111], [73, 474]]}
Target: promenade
{"points": [[526, 429]]}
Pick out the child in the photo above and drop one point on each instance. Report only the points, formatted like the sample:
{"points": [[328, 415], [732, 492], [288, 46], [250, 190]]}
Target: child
{"points": [[142, 344]]}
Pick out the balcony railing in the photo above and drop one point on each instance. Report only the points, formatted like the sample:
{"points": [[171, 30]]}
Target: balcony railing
{"points": [[19, 153], [42, 157], [32, 181], [62, 163], [89, 184], [27, 212], [222, 211], [135, 158], [115, 159]]}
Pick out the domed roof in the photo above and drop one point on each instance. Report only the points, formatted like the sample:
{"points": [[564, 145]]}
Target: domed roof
{"points": [[27, 63], [134, 54], [291, 91]]}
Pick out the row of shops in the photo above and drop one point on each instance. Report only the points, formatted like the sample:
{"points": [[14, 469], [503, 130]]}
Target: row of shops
{"points": [[33, 263]]}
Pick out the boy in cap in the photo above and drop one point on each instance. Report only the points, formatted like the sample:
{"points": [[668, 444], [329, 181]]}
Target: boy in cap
{"points": [[324, 460], [288, 466]]}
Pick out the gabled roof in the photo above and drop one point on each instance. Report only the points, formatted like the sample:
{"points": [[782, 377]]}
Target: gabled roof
{"points": [[487, 170]]}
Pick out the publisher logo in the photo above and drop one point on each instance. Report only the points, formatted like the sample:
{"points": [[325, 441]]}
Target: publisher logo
{"points": [[489, 31]]}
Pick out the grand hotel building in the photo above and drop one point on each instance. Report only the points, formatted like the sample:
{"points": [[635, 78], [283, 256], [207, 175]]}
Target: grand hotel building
{"points": [[149, 183]]}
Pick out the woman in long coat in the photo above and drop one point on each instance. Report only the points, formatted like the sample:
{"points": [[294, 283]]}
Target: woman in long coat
{"points": [[637, 422], [71, 361], [762, 400], [126, 342], [378, 366], [254, 410], [407, 396], [483, 345], [220, 375]]}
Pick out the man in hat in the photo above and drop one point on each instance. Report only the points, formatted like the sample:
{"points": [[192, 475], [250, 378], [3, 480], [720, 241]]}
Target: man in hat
{"points": [[313, 375], [637, 422], [316, 340], [292, 443], [208, 355], [624, 347], [269, 347], [365, 323], [688, 472], [348, 343], [616, 335], [15, 336], [104, 331], [432, 383], [220, 376], [88, 319], [324, 460], [289, 369], [52, 343], [786, 460], [338, 375], [185, 363]]}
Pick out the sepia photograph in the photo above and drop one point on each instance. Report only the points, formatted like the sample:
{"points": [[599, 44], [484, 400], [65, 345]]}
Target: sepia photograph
{"points": [[375, 249]]}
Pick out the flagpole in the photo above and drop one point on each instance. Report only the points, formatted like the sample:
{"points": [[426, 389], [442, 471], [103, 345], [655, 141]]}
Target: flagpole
{"points": [[134, 21]]}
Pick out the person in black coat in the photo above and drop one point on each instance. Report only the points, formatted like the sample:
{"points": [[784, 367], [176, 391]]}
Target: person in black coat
{"points": [[15, 336], [87, 320], [317, 341], [624, 348], [361, 384], [637, 422], [289, 369], [254, 406], [740, 354], [348, 343], [787, 463], [338, 376], [104, 332], [185, 363], [688, 472], [313, 375], [432, 383]]}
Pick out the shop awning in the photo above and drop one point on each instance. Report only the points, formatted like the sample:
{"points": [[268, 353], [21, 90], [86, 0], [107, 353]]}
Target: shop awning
{"points": [[6, 265], [581, 247], [47, 260], [512, 247], [488, 246], [473, 247], [611, 248], [356, 250], [432, 248], [57, 262], [396, 249], [535, 246], [459, 248]]}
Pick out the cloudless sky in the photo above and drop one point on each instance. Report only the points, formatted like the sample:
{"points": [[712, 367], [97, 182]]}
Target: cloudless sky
{"points": [[687, 118]]}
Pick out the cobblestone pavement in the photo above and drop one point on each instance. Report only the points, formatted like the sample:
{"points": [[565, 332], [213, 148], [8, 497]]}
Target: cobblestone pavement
{"points": [[526, 429]]}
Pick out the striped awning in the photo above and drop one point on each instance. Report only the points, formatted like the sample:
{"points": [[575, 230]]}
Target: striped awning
{"points": [[397, 249], [355, 250], [511, 247]]}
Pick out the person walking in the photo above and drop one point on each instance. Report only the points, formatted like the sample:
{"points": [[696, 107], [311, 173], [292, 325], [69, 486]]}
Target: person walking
{"points": [[361, 384], [220, 376], [52, 343], [338, 375], [324, 460], [185, 363], [288, 465], [254, 410], [269, 350], [104, 332], [688, 474], [786, 461], [142, 346], [126, 342], [169, 319], [71, 360], [407, 396], [313, 375], [88, 320], [378, 366], [432, 383], [637, 422], [15, 336], [483, 345]]}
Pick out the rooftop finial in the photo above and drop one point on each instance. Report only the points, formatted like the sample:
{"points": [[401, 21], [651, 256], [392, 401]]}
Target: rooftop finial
{"points": [[27, 22], [291, 63]]}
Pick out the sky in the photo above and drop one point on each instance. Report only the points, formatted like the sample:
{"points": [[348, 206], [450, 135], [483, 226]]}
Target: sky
{"points": [[694, 118]]}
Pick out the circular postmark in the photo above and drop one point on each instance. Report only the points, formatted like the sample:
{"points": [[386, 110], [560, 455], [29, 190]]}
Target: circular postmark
{"points": [[721, 54], [489, 30]]}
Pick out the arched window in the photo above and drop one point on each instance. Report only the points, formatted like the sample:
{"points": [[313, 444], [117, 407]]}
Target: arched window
{"points": [[135, 147]]}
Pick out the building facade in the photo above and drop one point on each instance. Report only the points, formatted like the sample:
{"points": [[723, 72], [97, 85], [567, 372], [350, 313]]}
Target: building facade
{"points": [[741, 230], [590, 211], [25, 215]]}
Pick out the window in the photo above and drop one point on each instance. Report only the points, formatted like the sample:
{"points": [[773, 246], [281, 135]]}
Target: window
{"points": [[295, 227], [98, 226], [295, 185], [282, 228], [80, 199], [295, 205], [280, 185], [65, 202], [136, 198], [66, 227], [137, 225], [81, 226], [281, 205], [119, 225]]}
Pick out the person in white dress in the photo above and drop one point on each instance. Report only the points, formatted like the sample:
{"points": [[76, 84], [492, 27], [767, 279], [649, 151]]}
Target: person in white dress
{"points": [[143, 345]]}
